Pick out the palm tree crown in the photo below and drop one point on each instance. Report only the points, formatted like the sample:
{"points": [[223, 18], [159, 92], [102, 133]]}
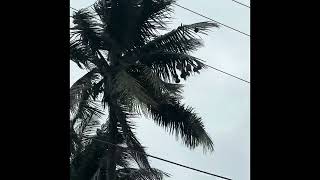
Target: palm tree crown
{"points": [[133, 71]]}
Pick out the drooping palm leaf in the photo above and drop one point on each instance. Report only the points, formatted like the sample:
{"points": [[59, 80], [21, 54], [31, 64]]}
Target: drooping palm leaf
{"points": [[82, 55], [78, 88], [84, 110], [81, 104], [175, 117], [88, 28], [86, 163], [136, 150], [184, 123], [103, 9], [150, 79], [85, 128], [161, 91], [182, 39], [168, 64], [88, 127], [129, 88], [141, 174]]}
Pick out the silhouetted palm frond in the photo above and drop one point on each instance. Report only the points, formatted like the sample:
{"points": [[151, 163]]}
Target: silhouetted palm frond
{"points": [[82, 55], [88, 28], [181, 40], [184, 123], [129, 88], [133, 23], [153, 83], [82, 105], [136, 150], [141, 174], [168, 65], [85, 164]]}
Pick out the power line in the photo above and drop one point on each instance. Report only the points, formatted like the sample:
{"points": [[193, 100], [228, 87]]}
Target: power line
{"points": [[74, 8], [161, 159], [208, 18], [225, 72], [207, 65], [213, 20], [229, 74], [241, 3]]}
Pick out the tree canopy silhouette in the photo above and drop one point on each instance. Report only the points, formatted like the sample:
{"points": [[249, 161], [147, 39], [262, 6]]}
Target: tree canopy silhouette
{"points": [[132, 71]]}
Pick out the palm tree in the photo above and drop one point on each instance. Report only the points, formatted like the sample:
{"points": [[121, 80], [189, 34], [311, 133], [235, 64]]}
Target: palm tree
{"points": [[133, 71]]}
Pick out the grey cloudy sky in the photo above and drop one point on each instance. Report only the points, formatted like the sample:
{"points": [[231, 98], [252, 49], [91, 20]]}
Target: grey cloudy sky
{"points": [[222, 101]]}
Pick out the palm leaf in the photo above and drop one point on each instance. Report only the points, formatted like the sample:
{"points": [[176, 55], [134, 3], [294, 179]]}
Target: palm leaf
{"points": [[182, 40], [150, 79], [103, 10], [78, 89], [87, 128], [141, 174], [167, 64], [88, 28], [82, 105], [152, 16], [136, 150], [85, 165], [131, 23], [82, 55], [182, 121], [130, 90]]}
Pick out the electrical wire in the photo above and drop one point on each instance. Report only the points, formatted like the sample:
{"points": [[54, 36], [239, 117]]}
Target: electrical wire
{"points": [[161, 159]]}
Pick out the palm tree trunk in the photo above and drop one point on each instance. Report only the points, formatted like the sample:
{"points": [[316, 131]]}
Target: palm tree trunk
{"points": [[108, 168]]}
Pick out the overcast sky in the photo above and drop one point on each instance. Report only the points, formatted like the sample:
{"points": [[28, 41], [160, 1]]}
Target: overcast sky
{"points": [[222, 101]]}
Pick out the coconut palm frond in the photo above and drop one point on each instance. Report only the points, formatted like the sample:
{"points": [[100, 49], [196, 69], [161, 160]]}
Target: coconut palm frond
{"points": [[129, 88], [184, 123], [133, 23], [168, 65], [82, 105], [87, 27], [141, 174], [182, 39], [135, 149]]}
